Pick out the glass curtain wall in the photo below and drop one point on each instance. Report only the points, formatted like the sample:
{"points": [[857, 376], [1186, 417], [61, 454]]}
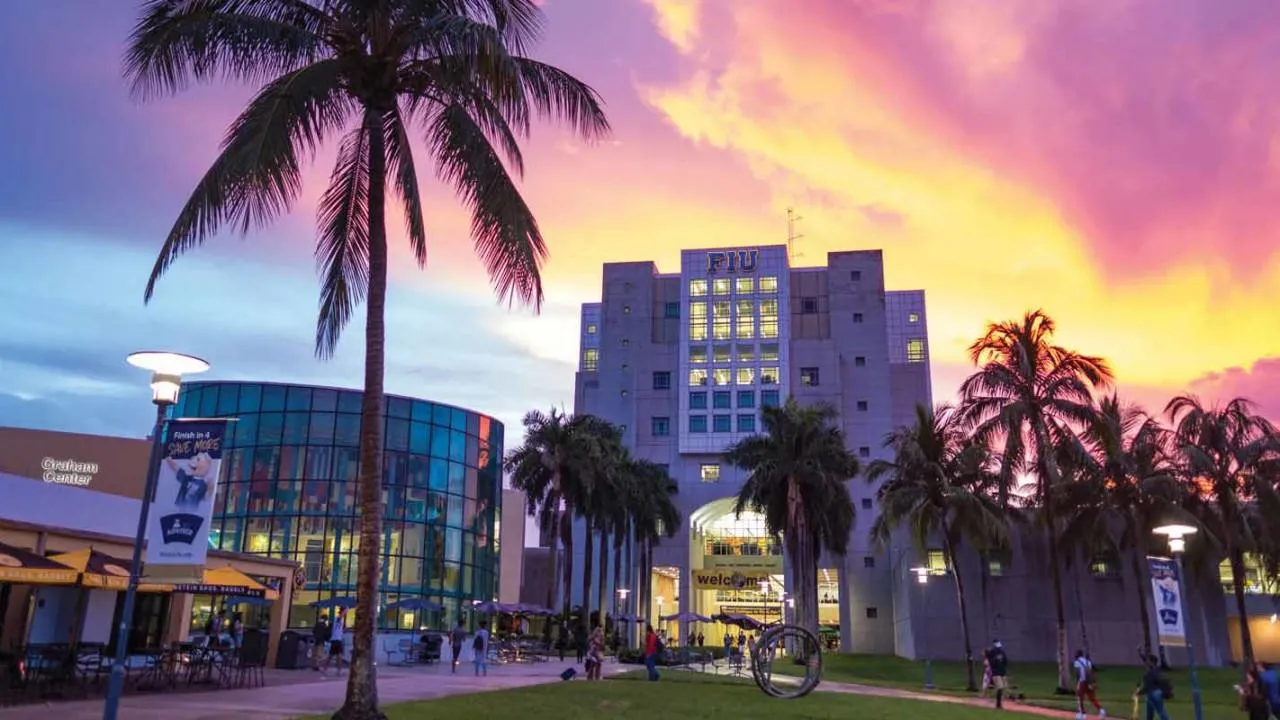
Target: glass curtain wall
{"points": [[289, 490]]}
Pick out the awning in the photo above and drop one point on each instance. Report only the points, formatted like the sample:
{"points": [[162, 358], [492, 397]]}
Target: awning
{"points": [[228, 581], [27, 568], [100, 570]]}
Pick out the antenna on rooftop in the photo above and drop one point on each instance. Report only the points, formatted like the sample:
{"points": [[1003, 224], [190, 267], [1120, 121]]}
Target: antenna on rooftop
{"points": [[792, 235]]}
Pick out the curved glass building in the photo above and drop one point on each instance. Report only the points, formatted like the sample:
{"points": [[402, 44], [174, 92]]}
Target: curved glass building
{"points": [[290, 491]]}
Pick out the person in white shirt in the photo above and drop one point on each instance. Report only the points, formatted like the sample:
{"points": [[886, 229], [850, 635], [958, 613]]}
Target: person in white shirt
{"points": [[337, 646], [480, 648], [1086, 686]]}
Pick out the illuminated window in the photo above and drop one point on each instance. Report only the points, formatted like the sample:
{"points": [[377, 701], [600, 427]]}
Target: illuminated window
{"points": [[995, 567], [769, 284], [710, 472], [769, 352], [720, 309], [720, 353], [722, 376], [722, 423], [915, 350], [591, 329], [697, 423], [1104, 568], [746, 376], [769, 376], [697, 377], [590, 359], [937, 563], [746, 353], [720, 286], [1257, 581], [745, 285], [698, 311], [769, 309], [720, 331], [809, 376], [769, 329], [697, 331], [746, 423], [697, 288], [913, 318], [698, 354], [746, 328], [721, 319]]}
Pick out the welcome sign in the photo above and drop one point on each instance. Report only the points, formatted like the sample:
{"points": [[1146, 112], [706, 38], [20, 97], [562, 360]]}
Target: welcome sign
{"points": [[715, 579], [178, 537], [1166, 590]]}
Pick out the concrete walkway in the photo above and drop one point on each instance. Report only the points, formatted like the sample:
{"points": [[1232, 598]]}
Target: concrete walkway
{"points": [[876, 691]]}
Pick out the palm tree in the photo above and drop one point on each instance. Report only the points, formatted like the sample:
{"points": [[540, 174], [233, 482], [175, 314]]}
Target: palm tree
{"points": [[373, 72], [1128, 488], [557, 452], [798, 473], [653, 516], [941, 484], [605, 441], [1229, 458], [1025, 397]]}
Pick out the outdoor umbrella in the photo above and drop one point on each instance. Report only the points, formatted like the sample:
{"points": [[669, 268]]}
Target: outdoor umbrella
{"points": [[492, 606], [416, 604], [227, 581], [345, 602], [100, 570], [687, 617], [27, 568], [256, 601]]}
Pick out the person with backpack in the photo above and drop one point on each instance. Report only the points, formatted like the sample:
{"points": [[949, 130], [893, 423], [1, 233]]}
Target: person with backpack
{"points": [[652, 647], [480, 649], [1086, 686], [1155, 689], [455, 644], [999, 662]]}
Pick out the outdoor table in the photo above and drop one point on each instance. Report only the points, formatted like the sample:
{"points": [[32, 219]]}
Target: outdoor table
{"points": [[158, 670]]}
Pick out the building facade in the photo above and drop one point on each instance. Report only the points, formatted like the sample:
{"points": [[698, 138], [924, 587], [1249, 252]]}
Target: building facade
{"points": [[684, 362], [290, 490]]}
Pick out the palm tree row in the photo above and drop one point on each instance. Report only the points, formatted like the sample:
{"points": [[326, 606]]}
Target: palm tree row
{"points": [[576, 467], [1040, 441]]}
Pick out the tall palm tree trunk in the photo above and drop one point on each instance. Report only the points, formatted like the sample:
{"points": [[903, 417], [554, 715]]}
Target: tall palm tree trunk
{"points": [[617, 567], [588, 565], [566, 537], [971, 683], [1055, 570], [602, 592], [553, 578], [1139, 572], [803, 564], [1084, 629], [362, 685], [1237, 585]]}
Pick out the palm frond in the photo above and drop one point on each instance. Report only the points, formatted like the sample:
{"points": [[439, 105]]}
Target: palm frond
{"points": [[342, 248], [401, 167]]}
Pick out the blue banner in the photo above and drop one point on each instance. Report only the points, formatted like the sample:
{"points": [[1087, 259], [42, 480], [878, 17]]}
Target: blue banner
{"points": [[187, 481], [1166, 590]]}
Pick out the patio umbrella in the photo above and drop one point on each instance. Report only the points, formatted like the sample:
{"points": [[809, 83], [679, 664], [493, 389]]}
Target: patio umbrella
{"points": [[345, 602], [100, 570], [255, 601], [490, 607], [416, 604], [687, 617], [535, 610], [227, 581], [27, 568]]}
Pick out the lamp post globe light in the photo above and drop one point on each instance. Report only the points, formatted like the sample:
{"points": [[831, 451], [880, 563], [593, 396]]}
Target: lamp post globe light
{"points": [[922, 579], [619, 604], [167, 369], [1177, 535]]}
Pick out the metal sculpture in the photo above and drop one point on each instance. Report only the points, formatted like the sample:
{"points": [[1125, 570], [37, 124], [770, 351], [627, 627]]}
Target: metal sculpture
{"points": [[795, 646]]}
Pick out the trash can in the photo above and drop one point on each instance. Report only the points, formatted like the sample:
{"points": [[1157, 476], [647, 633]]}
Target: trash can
{"points": [[294, 651]]}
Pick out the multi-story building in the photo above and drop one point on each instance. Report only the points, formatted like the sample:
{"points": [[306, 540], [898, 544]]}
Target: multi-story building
{"points": [[684, 362]]}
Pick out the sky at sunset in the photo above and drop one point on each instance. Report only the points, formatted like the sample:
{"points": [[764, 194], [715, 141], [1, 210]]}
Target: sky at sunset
{"points": [[1115, 163]]}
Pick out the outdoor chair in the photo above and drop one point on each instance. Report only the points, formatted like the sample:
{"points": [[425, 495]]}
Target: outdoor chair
{"points": [[390, 648], [248, 666]]}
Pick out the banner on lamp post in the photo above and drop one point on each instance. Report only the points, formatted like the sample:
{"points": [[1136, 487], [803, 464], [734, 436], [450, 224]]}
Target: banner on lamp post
{"points": [[1166, 591], [187, 479]]}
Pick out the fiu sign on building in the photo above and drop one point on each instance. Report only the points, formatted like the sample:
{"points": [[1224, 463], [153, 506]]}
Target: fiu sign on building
{"points": [[732, 261]]}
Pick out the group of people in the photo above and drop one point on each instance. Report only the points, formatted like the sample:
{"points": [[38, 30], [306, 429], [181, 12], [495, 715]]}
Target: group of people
{"points": [[329, 644], [218, 630], [1260, 692]]}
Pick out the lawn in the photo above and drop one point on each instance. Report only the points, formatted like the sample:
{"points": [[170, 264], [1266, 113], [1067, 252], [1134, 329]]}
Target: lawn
{"points": [[679, 696], [1038, 680]]}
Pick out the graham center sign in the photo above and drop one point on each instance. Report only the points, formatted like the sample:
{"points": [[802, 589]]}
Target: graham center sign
{"points": [[67, 472]]}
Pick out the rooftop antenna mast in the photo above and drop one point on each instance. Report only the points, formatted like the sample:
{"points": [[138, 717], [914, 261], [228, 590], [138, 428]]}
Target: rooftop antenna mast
{"points": [[792, 235]]}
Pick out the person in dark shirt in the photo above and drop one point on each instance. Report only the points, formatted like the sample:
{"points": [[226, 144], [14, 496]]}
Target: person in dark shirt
{"points": [[1154, 689], [999, 663]]}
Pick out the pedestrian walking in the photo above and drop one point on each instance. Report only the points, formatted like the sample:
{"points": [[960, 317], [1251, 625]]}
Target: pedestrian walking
{"points": [[652, 646], [456, 637], [999, 662], [480, 647], [337, 646], [1155, 689], [1086, 686]]}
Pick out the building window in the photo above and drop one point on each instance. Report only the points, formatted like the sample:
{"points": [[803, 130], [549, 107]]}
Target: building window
{"points": [[866, 503], [746, 376], [855, 275], [720, 353], [862, 406], [697, 423], [698, 321], [722, 376], [809, 376], [697, 401], [746, 353], [769, 329], [591, 329], [720, 286], [697, 354], [590, 359], [769, 376], [769, 284], [671, 310], [625, 393], [936, 561], [915, 350], [873, 613], [709, 472], [661, 426], [745, 285], [769, 352], [868, 562], [1104, 568], [770, 398], [721, 423], [860, 361], [995, 567], [697, 288], [808, 306], [662, 380], [857, 317], [746, 399], [746, 423], [721, 399], [913, 318], [697, 376], [626, 309], [697, 331], [864, 451]]}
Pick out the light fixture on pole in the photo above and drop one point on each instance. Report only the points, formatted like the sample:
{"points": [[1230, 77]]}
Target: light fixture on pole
{"points": [[922, 579], [618, 604], [1177, 535], [167, 369]]}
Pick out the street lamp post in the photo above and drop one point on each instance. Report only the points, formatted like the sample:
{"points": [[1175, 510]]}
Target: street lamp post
{"points": [[1177, 536], [618, 604], [167, 370], [922, 579]]}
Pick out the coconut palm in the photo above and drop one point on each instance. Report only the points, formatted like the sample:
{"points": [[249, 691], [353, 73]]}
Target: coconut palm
{"points": [[1129, 486], [605, 445], [374, 73], [653, 516], [940, 484], [1229, 459], [1025, 398], [798, 470]]}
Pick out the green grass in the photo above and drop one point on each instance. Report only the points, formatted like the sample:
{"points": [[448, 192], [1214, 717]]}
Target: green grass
{"points": [[678, 696], [1038, 681]]}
